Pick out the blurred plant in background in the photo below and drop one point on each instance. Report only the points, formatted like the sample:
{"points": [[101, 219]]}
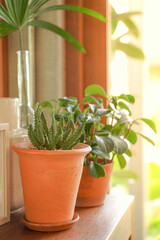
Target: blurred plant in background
{"points": [[117, 42]]}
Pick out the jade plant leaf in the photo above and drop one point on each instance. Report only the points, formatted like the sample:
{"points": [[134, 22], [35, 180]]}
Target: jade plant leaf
{"points": [[105, 144], [96, 170], [96, 150], [120, 146]]}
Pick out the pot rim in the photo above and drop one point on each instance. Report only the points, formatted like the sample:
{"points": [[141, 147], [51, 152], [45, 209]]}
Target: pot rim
{"points": [[79, 148]]}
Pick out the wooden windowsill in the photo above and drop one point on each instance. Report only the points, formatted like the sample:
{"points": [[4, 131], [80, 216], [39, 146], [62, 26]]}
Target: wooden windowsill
{"points": [[112, 221]]}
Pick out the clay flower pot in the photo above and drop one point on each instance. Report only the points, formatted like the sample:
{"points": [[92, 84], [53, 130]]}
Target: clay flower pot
{"points": [[50, 181], [92, 191]]}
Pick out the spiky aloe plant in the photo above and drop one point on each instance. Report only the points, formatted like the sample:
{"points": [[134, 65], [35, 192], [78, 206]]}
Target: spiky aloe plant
{"points": [[62, 134], [20, 13]]}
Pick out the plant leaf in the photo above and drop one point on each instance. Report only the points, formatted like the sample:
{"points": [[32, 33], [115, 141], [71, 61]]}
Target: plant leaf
{"points": [[129, 49], [127, 97], [47, 104], [97, 151], [105, 144], [88, 99], [73, 8], [146, 138], [131, 27], [124, 106], [128, 153], [120, 146], [53, 28], [121, 160], [5, 16], [95, 89], [125, 119], [132, 137], [149, 122], [96, 170]]}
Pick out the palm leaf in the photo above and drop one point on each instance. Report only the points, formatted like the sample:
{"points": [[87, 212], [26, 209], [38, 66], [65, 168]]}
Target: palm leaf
{"points": [[72, 8], [11, 10], [5, 29], [5, 16], [35, 5], [49, 26]]}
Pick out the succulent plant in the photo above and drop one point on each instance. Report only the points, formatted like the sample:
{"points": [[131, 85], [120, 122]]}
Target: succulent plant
{"points": [[62, 134]]}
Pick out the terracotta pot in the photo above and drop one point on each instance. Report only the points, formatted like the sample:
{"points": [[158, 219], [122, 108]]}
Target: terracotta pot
{"points": [[92, 191], [50, 181]]}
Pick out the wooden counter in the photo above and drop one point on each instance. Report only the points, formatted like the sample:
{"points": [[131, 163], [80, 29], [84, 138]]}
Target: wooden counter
{"points": [[112, 221]]}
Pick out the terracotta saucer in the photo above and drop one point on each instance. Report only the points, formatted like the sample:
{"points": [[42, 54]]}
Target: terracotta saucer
{"points": [[50, 227]]}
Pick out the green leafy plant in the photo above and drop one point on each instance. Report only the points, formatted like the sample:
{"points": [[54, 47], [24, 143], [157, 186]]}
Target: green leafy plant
{"points": [[129, 49], [62, 134], [109, 129]]}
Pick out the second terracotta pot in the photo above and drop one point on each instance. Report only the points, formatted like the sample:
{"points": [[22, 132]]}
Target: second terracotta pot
{"points": [[50, 181], [92, 191]]}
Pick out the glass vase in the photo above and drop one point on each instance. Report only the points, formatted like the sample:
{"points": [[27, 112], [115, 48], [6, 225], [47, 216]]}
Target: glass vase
{"points": [[26, 111]]}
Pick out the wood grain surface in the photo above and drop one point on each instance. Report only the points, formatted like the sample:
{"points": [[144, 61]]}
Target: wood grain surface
{"points": [[112, 221]]}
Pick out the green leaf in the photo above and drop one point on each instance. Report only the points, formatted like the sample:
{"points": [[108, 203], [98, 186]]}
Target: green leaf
{"points": [[53, 28], [121, 160], [88, 99], [102, 112], [96, 170], [130, 50], [120, 146], [97, 151], [63, 102], [131, 27], [123, 16], [93, 107], [73, 8], [106, 144], [127, 97], [47, 104], [95, 89], [132, 137], [11, 10], [128, 153], [149, 122], [125, 119], [5, 16], [124, 106], [147, 139]]}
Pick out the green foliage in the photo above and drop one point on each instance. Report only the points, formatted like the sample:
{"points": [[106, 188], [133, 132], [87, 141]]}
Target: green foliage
{"points": [[19, 14], [63, 134], [109, 126], [117, 44]]}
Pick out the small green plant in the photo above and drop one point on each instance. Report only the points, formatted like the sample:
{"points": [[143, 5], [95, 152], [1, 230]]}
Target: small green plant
{"points": [[109, 128], [62, 134]]}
